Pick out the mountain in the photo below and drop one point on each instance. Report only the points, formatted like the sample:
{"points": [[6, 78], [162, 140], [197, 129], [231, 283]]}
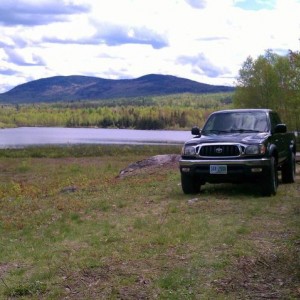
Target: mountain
{"points": [[75, 87]]}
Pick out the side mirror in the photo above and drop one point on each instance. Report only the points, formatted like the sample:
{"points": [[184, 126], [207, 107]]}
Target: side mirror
{"points": [[195, 130], [280, 128]]}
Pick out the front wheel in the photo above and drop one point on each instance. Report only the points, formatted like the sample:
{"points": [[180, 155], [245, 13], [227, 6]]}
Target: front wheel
{"points": [[289, 169], [190, 184], [269, 188]]}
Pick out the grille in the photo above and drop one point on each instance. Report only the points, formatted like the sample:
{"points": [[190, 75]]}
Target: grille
{"points": [[220, 150]]}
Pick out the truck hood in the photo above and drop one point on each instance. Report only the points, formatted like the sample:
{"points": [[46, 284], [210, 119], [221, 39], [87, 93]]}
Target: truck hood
{"points": [[243, 138]]}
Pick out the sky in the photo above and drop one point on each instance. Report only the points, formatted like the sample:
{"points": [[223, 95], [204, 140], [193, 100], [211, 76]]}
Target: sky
{"points": [[203, 40]]}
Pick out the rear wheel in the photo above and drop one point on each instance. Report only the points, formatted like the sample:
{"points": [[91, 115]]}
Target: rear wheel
{"points": [[289, 169], [190, 184], [269, 188]]}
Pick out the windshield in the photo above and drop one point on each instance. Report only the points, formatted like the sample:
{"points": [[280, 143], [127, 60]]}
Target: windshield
{"points": [[236, 122]]}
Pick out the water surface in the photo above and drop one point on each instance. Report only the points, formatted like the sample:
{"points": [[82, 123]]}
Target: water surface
{"points": [[30, 136]]}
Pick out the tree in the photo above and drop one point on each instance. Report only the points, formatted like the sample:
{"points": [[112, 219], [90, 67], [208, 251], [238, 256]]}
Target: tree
{"points": [[271, 81]]}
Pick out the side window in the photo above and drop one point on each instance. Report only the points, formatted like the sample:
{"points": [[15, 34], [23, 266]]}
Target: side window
{"points": [[274, 120]]}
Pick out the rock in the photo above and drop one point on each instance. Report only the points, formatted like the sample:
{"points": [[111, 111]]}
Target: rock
{"points": [[69, 189], [192, 201], [157, 160]]}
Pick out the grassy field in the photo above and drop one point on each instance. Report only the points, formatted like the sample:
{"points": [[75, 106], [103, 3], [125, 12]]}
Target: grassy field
{"points": [[72, 229]]}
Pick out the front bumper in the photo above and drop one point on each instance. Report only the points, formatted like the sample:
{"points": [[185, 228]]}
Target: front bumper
{"points": [[237, 169]]}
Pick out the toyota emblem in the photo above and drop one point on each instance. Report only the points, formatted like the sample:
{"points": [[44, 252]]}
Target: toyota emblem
{"points": [[219, 150]]}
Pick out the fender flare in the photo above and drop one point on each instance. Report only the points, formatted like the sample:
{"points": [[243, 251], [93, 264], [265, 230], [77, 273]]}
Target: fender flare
{"points": [[272, 151]]}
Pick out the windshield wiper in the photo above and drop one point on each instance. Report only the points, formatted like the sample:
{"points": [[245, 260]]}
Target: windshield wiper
{"points": [[244, 130], [215, 131]]}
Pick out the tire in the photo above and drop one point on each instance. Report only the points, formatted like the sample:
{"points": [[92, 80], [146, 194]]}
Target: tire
{"points": [[190, 184], [288, 171], [271, 184]]}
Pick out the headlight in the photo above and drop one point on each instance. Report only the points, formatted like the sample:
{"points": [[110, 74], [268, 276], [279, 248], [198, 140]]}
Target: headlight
{"points": [[255, 149], [189, 150]]}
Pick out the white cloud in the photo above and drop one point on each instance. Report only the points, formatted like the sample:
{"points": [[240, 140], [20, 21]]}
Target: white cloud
{"points": [[197, 3], [202, 40], [31, 13], [201, 65], [19, 60], [114, 35]]}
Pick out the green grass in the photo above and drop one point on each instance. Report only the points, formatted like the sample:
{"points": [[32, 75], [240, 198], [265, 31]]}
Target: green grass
{"points": [[71, 228]]}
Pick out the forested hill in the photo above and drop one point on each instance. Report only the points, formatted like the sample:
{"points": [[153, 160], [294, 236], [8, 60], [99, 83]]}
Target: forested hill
{"points": [[72, 88]]}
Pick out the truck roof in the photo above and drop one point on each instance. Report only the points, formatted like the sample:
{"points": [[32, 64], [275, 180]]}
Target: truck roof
{"points": [[266, 110]]}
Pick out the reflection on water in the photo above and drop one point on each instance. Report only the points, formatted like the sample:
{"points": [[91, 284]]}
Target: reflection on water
{"points": [[28, 136]]}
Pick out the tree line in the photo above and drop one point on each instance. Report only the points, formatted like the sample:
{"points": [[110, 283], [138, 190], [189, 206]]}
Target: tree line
{"points": [[167, 112], [271, 81]]}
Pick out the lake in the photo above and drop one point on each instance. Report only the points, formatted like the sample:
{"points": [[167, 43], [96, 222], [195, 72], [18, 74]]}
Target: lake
{"points": [[30, 136]]}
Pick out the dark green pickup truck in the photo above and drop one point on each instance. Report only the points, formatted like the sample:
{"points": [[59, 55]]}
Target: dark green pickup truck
{"points": [[239, 146]]}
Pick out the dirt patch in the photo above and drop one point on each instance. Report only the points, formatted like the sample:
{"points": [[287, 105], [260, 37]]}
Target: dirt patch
{"points": [[97, 283], [4, 268]]}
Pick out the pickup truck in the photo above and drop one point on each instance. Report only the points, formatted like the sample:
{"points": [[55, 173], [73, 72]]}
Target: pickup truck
{"points": [[239, 146]]}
